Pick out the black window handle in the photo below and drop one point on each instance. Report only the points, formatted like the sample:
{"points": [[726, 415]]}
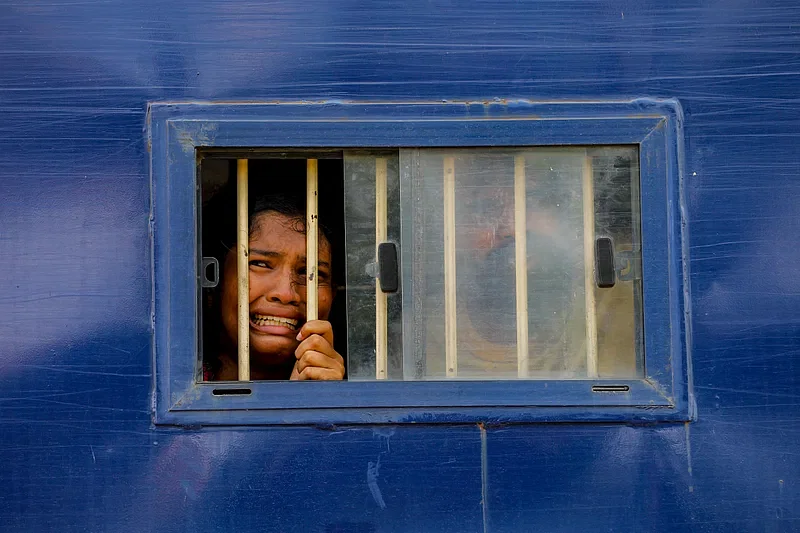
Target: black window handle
{"points": [[387, 267], [604, 262]]}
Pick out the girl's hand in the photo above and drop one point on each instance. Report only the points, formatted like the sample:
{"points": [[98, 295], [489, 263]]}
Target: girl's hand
{"points": [[316, 358]]}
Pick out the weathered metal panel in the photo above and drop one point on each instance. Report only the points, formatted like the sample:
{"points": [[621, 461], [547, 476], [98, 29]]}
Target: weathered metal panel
{"points": [[80, 452]]}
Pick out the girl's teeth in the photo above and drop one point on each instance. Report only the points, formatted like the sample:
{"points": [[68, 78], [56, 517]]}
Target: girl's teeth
{"points": [[261, 320]]}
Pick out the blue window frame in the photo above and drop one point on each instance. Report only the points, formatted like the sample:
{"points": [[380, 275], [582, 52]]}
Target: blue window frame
{"points": [[178, 130]]}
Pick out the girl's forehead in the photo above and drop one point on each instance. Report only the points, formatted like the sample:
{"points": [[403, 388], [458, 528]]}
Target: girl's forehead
{"points": [[272, 223], [283, 233]]}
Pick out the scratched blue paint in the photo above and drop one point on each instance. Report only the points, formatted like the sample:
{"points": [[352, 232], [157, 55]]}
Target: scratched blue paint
{"points": [[79, 450]]}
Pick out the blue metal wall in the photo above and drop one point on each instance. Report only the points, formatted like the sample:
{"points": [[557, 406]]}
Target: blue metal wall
{"points": [[78, 449]]}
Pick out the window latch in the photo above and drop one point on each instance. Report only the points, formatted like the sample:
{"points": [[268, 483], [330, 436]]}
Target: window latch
{"points": [[209, 282], [387, 267], [604, 262]]}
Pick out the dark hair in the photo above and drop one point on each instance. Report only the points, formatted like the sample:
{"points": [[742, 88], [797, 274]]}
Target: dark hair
{"points": [[286, 198]]}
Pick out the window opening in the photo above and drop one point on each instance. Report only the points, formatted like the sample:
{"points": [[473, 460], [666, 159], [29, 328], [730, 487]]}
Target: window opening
{"points": [[501, 274], [232, 192]]}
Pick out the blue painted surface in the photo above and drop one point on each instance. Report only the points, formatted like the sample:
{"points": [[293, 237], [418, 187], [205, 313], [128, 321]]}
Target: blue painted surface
{"points": [[175, 133], [79, 451]]}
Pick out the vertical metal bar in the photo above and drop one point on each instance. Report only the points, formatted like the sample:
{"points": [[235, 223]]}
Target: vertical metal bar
{"points": [[521, 262], [451, 355], [243, 270], [312, 241], [588, 264], [381, 306]]}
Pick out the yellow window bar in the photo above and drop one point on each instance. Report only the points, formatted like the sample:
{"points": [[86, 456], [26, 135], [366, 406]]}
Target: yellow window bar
{"points": [[451, 355], [588, 264], [312, 241], [520, 241], [381, 309], [243, 270]]}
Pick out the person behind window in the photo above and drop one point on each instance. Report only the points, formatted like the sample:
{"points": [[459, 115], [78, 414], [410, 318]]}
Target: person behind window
{"points": [[486, 262], [283, 345]]}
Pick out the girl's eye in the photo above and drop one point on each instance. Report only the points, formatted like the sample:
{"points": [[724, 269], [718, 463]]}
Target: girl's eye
{"points": [[300, 276], [260, 264], [323, 275]]}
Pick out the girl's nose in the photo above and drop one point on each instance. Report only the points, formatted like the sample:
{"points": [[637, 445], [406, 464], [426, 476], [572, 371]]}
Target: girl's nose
{"points": [[284, 289]]}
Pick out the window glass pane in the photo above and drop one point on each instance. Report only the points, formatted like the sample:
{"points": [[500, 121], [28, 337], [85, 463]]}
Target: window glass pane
{"points": [[617, 216], [369, 176], [464, 283]]}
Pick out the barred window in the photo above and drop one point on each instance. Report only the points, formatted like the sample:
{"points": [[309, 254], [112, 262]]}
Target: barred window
{"points": [[475, 263]]}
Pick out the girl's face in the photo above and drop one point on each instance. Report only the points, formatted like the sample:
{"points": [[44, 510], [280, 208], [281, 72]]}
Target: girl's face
{"points": [[277, 288]]}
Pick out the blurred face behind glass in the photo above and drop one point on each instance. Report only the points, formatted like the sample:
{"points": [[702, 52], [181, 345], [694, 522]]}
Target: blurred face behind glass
{"points": [[485, 220]]}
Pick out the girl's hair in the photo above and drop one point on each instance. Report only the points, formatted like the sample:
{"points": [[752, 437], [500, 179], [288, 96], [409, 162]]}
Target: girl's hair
{"points": [[284, 196]]}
